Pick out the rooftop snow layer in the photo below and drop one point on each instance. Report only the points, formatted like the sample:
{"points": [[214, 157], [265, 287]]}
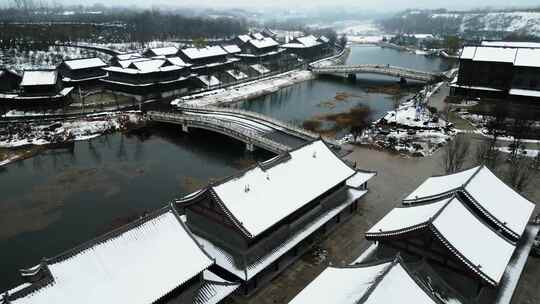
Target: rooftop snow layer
{"points": [[260, 198], [437, 185], [383, 283], [528, 58], [501, 201], [308, 41], [35, 78], [406, 217], [495, 54], [77, 64], [515, 44], [164, 51], [209, 51], [468, 52], [484, 249], [232, 48], [263, 43], [128, 56], [139, 265], [522, 92]]}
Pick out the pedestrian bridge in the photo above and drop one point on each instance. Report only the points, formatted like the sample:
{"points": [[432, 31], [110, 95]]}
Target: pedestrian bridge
{"points": [[254, 129], [380, 69]]}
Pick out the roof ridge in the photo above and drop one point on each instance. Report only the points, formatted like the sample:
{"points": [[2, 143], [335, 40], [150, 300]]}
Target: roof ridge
{"points": [[377, 281]]}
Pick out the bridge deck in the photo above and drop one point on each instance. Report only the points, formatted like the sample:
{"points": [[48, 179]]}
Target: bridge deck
{"points": [[261, 133], [380, 69]]}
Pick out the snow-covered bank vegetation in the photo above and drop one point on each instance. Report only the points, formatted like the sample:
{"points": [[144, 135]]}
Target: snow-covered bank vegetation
{"points": [[490, 23], [55, 132]]}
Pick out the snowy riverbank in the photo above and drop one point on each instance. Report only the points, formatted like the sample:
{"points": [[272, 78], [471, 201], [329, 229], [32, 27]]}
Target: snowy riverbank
{"points": [[24, 134], [246, 90]]}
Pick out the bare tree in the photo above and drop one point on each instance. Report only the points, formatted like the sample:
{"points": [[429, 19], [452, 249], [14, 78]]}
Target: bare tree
{"points": [[455, 154], [487, 154], [520, 173]]}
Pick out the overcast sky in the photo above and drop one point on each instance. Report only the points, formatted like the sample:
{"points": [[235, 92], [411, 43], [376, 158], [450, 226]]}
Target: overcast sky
{"points": [[376, 5]]}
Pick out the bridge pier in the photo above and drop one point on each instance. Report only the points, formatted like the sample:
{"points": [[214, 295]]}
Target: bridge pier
{"points": [[351, 77], [250, 147], [185, 128]]}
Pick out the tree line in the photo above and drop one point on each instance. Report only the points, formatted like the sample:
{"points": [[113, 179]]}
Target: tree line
{"points": [[22, 25]]}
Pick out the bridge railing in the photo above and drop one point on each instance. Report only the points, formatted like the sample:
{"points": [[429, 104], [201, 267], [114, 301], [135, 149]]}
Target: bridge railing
{"points": [[248, 135], [374, 68], [285, 125]]}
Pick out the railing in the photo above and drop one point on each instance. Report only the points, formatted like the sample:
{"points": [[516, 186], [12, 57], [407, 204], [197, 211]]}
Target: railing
{"points": [[379, 69], [221, 126], [285, 125]]}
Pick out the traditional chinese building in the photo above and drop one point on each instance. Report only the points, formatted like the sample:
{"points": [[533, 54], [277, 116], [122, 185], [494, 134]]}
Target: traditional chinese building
{"points": [[307, 47], [82, 71], [149, 77], [9, 81], [502, 71], [259, 49], [168, 51], [256, 223], [470, 227], [38, 88], [127, 56], [383, 282], [152, 260]]}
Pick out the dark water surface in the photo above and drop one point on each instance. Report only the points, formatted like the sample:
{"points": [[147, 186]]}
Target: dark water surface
{"points": [[64, 197]]}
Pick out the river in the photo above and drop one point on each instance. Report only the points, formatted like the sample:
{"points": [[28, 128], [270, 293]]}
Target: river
{"points": [[63, 197], [333, 95]]}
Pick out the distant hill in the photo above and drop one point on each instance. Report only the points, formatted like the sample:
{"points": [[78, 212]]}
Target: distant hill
{"points": [[494, 24]]}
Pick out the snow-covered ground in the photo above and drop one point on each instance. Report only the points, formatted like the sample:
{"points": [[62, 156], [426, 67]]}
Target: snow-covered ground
{"points": [[414, 130], [64, 131], [25, 59], [525, 152], [517, 21], [246, 90]]}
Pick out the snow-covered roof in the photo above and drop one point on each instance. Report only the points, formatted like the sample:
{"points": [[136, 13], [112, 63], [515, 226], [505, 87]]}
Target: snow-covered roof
{"points": [[523, 92], [466, 235], [232, 48], [257, 36], [177, 61], [515, 44], [261, 69], [77, 64], [468, 52], [263, 43], [137, 264], [214, 289], [360, 178], [128, 56], [209, 51], [491, 196], [244, 38], [209, 80], [404, 219], [125, 63], [164, 51], [528, 58], [495, 54], [499, 200], [324, 39], [237, 74], [308, 41], [387, 282], [439, 185], [35, 78], [485, 250], [260, 198]]}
